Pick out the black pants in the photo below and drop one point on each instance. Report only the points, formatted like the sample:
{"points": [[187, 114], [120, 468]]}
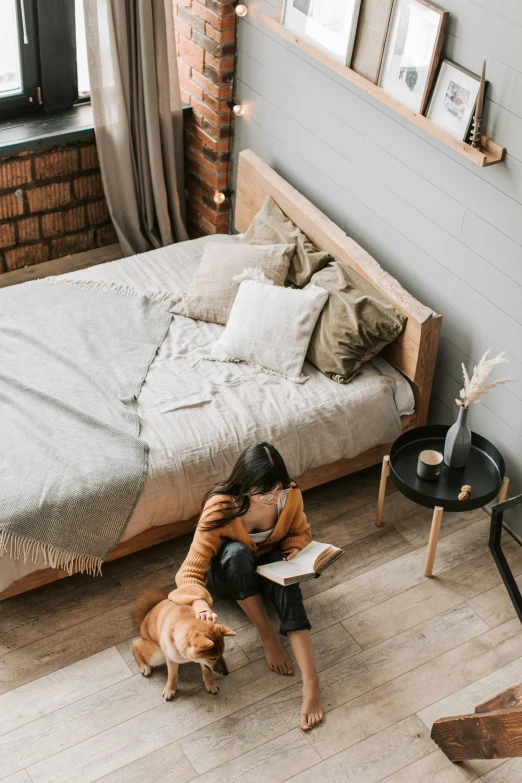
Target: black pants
{"points": [[233, 574]]}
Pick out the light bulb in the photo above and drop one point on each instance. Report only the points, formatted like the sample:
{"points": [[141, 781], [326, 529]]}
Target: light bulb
{"points": [[238, 110], [219, 197], [241, 9]]}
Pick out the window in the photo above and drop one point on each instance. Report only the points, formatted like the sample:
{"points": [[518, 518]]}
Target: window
{"points": [[43, 56], [84, 87], [10, 65], [18, 64]]}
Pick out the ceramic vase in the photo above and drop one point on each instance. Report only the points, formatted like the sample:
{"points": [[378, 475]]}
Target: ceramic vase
{"points": [[458, 441]]}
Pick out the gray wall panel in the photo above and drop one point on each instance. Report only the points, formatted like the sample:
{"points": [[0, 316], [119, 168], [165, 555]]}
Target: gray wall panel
{"points": [[449, 231]]}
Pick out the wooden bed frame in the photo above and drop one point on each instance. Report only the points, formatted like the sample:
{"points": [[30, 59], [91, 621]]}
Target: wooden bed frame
{"points": [[413, 353]]}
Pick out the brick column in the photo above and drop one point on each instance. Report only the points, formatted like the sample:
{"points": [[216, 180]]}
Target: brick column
{"points": [[205, 35]]}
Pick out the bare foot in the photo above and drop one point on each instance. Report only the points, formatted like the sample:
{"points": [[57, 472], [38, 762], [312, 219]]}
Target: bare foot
{"points": [[312, 710], [276, 657]]}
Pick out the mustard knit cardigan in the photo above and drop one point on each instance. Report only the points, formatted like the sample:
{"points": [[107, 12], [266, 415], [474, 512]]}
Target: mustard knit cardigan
{"points": [[291, 530]]}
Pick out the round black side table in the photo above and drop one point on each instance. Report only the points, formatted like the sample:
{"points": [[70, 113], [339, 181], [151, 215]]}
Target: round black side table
{"points": [[484, 472]]}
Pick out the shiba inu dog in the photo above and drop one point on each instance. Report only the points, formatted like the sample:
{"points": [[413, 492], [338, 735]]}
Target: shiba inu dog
{"points": [[172, 633]]}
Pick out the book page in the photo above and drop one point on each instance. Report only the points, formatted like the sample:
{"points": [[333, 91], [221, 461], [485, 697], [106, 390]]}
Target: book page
{"points": [[284, 569], [307, 557]]}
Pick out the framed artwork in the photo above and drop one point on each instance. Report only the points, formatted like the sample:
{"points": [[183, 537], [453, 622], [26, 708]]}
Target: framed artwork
{"points": [[374, 18], [454, 98], [412, 52], [328, 24]]}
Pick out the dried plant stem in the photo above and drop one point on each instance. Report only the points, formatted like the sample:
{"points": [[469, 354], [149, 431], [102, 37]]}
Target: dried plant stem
{"points": [[477, 386]]}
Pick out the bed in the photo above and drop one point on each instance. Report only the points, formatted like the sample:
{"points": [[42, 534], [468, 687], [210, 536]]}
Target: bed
{"points": [[197, 415]]}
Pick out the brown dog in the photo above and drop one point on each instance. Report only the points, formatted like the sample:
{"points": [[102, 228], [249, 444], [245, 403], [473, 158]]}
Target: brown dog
{"points": [[172, 633]]}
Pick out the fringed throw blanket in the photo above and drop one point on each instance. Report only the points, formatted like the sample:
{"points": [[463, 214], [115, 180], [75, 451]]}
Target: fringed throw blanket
{"points": [[73, 357]]}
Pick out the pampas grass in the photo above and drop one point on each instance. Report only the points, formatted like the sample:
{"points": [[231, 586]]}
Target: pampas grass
{"points": [[477, 386]]}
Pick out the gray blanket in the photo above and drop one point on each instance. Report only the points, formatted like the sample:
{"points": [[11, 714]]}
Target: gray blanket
{"points": [[72, 362]]}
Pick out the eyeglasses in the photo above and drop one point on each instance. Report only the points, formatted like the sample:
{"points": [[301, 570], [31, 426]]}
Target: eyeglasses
{"points": [[281, 493]]}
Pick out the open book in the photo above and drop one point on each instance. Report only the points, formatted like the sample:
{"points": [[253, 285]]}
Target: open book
{"points": [[310, 562]]}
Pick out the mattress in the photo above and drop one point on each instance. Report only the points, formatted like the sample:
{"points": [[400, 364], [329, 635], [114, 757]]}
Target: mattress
{"points": [[196, 415]]}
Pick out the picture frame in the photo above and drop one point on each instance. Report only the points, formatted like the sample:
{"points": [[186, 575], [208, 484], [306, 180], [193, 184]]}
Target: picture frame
{"points": [[454, 98], [412, 51], [330, 25], [372, 29]]}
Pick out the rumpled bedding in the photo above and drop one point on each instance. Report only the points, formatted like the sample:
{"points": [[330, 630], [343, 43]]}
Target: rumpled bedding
{"points": [[196, 415]]}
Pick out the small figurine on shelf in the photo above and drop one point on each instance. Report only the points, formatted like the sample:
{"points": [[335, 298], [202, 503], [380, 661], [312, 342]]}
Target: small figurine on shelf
{"points": [[458, 438], [476, 136]]}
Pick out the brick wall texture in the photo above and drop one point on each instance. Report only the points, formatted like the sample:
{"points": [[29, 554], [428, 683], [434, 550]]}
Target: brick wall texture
{"points": [[51, 204], [205, 34]]}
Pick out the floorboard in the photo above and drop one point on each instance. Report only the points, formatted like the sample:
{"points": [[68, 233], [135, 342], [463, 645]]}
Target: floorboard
{"points": [[394, 650]]}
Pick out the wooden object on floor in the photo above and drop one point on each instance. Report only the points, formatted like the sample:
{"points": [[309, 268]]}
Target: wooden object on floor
{"points": [[487, 734], [489, 153], [502, 495], [511, 697], [372, 27], [415, 350], [438, 511], [60, 266], [382, 487]]}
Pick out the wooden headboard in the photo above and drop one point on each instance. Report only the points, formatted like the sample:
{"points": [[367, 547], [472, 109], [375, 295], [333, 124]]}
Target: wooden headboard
{"points": [[415, 350]]}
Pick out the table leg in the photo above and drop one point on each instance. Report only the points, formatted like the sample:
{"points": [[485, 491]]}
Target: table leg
{"points": [[382, 488], [502, 495], [438, 511]]}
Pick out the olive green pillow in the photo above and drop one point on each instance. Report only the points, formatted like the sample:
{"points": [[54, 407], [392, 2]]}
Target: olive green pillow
{"points": [[356, 323], [272, 227]]}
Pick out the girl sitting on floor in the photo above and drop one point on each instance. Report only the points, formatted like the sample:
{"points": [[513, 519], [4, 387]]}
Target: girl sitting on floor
{"points": [[255, 516]]}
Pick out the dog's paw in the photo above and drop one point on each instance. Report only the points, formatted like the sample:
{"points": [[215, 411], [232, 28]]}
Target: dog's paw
{"points": [[213, 689], [168, 695], [145, 669]]}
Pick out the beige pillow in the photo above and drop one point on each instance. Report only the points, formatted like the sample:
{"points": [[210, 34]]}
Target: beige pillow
{"points": [[356, 323], [212, 290], [271, 225]]}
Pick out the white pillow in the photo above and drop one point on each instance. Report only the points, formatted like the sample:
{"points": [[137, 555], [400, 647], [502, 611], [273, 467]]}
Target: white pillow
{"points": [[270, 327]]}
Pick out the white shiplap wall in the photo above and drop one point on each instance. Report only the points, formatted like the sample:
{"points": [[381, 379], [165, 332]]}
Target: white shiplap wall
{"points": [[448, 230]]}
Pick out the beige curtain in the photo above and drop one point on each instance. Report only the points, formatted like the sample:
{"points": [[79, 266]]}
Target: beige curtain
{"points": [[138, 119]]}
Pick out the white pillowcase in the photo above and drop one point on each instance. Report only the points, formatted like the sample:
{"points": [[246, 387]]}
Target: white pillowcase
{"points": [[270, 327]]}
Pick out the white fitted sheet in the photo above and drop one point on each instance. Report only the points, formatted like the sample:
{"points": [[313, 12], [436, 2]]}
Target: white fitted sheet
{"points": [[197, 415]]}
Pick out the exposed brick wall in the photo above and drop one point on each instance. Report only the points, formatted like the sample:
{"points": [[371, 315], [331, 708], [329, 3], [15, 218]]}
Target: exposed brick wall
{"points": [[51, 204], [205, 34]]}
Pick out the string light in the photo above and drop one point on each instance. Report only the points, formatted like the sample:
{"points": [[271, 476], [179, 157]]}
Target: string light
{"points": [[220, 196], [238, 109], [241, 9]]}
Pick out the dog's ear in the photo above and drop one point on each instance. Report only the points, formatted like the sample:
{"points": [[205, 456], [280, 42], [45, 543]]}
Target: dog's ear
{"points": [[226, 631], [201, 642]]}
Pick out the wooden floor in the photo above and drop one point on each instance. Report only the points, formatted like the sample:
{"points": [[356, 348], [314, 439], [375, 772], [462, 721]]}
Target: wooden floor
{"points": [[395, 651]]}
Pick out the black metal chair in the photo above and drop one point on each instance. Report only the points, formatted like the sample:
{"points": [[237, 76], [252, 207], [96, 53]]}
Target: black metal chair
{"points": [[495, 545]]}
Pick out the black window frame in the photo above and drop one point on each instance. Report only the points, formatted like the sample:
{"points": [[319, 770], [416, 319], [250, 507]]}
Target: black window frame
{"points": [[49, 68]]}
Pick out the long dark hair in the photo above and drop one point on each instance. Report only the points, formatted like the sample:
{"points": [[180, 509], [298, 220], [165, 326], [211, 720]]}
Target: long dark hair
{"points": [[259, 468]]}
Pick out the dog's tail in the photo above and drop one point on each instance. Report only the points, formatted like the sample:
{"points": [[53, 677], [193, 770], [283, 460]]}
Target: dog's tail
{"points": [[145, 602]]}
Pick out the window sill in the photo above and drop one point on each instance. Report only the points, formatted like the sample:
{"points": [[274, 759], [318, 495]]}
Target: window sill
{"points": [[47, 130]]}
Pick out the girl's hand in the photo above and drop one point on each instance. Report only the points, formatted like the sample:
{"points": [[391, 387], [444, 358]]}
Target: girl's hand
{"points": [[291, 553], [207, 616]]}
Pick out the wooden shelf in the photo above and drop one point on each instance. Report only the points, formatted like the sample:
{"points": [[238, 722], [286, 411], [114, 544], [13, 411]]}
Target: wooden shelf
{"points": [[487, 155]]}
